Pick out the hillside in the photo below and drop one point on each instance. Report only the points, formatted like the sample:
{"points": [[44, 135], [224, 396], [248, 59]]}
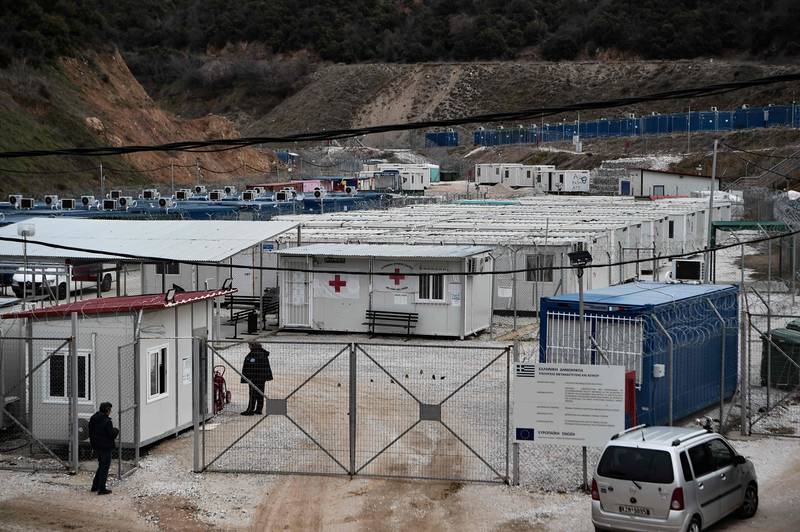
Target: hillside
{"points": [[97, 101], [371, 94]]}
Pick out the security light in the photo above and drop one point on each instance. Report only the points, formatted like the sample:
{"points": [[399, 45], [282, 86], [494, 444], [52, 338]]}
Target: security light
{"points": [[26, 230], [580, 259], [169, 297]]}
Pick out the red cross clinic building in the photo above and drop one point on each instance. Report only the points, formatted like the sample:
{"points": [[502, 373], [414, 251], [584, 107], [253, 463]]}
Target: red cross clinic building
{"points": [[337, 287]]}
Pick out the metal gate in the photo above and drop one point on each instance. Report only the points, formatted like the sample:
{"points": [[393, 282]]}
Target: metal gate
{"points": [[383, 410]]}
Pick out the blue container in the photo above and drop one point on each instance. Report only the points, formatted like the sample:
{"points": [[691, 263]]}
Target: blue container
{"points": [[684, 311]]}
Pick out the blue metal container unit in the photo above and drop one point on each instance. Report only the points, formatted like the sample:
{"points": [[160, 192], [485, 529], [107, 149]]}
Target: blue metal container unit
{"points": [[685, 313]]}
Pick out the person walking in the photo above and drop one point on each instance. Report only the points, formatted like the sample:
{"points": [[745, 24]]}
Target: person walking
{"points": [[102, 434], [256, 369]]}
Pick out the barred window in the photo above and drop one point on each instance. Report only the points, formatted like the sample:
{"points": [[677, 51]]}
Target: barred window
{"points": [[431, 287], [532, 262]]}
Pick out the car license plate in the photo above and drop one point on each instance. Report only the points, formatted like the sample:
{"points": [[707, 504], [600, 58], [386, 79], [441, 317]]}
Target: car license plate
{"points": [[633, 510]]}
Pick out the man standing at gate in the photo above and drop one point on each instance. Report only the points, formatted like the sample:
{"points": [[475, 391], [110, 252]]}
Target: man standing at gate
{"points": [[256, 369], [101, 436]]}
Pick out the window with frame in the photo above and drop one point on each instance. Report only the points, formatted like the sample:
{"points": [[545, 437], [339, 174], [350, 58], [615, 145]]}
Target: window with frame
{"points": [[658, 190], [532, 273], [431, 287], [497, 171], [157, 364], [671, 230], [506, 173], [479, 171], [57, 377], [168, 268]]}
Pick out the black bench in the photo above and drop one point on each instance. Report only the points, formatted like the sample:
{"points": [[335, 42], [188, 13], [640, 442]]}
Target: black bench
{"points": [[242, 315], [385, 318]]}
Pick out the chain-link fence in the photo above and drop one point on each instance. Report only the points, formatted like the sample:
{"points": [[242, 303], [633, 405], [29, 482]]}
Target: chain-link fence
{"points": [[38, 402], [55, 374], [386, 410], [772, 377]]}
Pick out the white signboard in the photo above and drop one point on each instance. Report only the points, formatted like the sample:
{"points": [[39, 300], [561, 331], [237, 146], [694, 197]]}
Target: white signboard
{"points": [[187, 371], [568, 404]]}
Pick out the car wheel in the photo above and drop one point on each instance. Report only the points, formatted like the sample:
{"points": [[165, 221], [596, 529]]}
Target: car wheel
{"points": [[62, 291], [105, 286], [694, 526], [750, 504]]}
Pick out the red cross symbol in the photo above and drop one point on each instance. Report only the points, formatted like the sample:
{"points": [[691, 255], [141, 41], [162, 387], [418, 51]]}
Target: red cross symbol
{"points": [[337, 283], [396, 277]]}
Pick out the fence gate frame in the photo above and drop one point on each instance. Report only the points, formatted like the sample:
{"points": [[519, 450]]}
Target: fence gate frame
{"points": [[203, 387]]}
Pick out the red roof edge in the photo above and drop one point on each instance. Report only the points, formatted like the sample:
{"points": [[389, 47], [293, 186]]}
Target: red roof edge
{"points": [[116, 305]]}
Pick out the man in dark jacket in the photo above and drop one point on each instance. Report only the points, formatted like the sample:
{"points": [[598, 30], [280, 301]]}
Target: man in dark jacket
{"points": [[102, 435], [256, 369]]}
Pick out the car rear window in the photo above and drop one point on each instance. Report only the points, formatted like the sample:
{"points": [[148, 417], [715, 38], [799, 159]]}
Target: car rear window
{"points": [[641, 465]]}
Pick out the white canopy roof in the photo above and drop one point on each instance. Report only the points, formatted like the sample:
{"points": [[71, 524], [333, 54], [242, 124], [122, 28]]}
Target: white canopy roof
{"points": [[209, 241]]}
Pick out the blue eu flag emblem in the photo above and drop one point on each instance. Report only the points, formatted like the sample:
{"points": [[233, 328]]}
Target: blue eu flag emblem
{"points": [[524, 434]]}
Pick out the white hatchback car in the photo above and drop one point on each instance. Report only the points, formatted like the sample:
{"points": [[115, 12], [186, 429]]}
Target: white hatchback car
{"points": [[670, 478]]}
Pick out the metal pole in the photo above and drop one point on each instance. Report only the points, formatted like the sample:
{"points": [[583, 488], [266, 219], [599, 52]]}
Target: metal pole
{"points": [[743, 382], [352, 409], [709, 237], [25, 276], [102, 182], [73, 406], [514, 445], [671, 374], [119, 412], [721, 367], [514, 281], [769, 320], [581, 346], [196, 465], [794, 263]]}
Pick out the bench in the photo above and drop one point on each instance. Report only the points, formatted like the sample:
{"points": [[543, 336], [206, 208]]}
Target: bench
{"points": [[385, 318], [236, 317], [266, 304]]}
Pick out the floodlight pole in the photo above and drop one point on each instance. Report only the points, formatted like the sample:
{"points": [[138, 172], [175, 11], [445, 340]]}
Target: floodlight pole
{"points": [[710, 254], [582, 347]]}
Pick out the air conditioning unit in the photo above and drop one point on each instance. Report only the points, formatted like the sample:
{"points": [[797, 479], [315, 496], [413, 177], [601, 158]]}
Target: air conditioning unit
{"points": [[745, 106], [216, 195], [13, 199], [87, 201], [199, 190], [109, 204], [27, 203], [51, 200], [257, 190], [183, 194], [165, 203], [281, 196], [230, 190], [713, 109], [126, 202], [631, 115], [688, 270], [350, 190], [115, 194], [150, 194], [248, 195], [319, 192], [67, 203]]}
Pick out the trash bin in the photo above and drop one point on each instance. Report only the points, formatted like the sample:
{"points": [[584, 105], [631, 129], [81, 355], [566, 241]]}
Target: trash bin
{"points": [[252, 323], [782, 372]]}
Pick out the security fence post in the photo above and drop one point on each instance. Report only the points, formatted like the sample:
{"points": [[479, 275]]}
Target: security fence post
{"points": [[352, 409], [73, 396], [671, 373], [196, 465], [721, 367], [514, 445], [744, 370]]}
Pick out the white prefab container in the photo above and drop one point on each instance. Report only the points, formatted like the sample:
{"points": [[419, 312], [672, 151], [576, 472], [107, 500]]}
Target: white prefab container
{"points": [[157, 370], [658, 183], [569, 181], [414, 180], [430, 281]]}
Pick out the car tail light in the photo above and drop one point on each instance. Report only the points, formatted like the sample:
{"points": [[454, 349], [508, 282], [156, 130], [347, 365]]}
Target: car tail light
{"points": [[677, 499], [596, 492]]}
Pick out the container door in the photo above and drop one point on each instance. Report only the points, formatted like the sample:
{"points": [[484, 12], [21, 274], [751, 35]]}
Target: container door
{"points": [[296, 294], [625, 188]]}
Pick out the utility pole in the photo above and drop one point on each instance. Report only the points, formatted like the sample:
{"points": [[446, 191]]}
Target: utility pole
{"points": [[102, 182], [689, 131], [709, 254], [172, 177], [197, 168]]}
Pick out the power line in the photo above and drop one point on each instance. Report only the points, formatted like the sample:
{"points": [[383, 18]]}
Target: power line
{"points": [[144, 258], [525, 114]]}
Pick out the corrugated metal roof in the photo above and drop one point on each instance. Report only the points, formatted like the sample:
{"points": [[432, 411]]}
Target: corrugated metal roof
{"points": [[640, 294], [395, 251], [177, 240], [115, 305]]}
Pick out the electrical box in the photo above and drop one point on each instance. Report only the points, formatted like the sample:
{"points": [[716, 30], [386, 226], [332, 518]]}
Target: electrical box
{"points": [[659, 370]]}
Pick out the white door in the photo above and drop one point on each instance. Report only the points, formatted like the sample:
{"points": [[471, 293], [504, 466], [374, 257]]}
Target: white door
{"points": [[296, 294]]}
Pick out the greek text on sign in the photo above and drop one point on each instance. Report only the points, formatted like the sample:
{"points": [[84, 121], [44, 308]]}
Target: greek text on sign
{"points": [[568, 404]]}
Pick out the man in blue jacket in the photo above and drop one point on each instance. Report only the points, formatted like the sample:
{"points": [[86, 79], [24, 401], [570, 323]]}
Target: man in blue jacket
{"points": [[257, 370], [102, 435]]}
